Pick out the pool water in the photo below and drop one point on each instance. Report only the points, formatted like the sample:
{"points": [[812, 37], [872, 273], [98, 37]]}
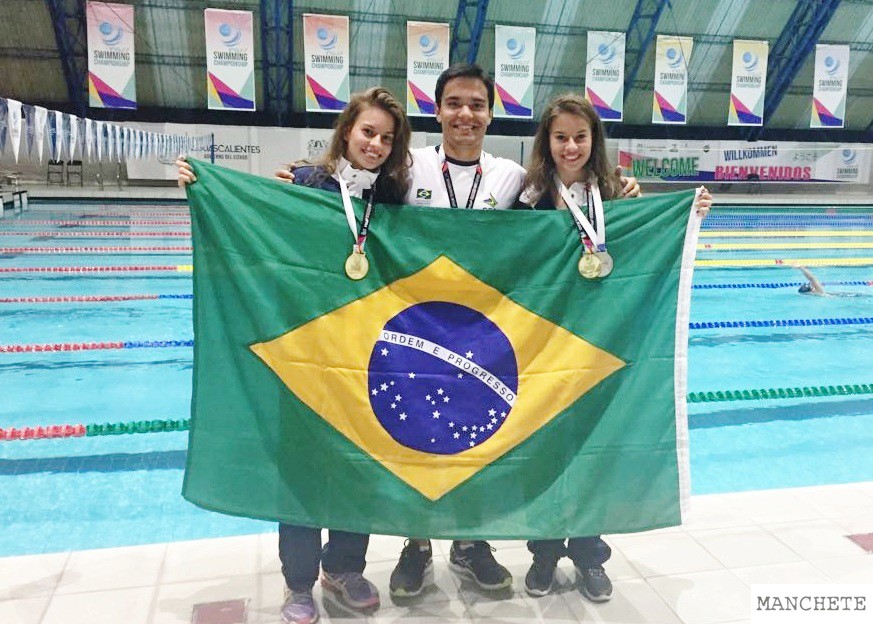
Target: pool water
{"points": [[81, 493]]}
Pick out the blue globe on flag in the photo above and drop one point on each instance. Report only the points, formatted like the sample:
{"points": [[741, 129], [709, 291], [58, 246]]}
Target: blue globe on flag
{"points": [[442, 378]]}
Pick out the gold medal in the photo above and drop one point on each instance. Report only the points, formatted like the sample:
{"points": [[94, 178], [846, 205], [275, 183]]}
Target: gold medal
{"points": [[590, 265], [357, 264], [606, 263]]}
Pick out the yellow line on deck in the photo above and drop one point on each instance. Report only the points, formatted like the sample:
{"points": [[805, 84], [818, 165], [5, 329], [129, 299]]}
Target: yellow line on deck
{"points": [[781, 233], [769, 262], [743, 246]]}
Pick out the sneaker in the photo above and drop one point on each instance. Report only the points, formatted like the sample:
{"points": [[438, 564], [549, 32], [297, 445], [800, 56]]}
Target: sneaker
{"points": [[476, 562], [352, 589], [594, 583], [414, 570], [540, 577], [299, 607]]}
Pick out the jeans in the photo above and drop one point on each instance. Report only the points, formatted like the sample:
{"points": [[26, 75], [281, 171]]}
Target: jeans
{"points": [[301, 553], [584, 551]]}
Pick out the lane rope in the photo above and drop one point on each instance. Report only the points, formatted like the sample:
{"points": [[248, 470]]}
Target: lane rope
{"points": [[758, 246], [180, 268], [779, 393], [94, 346], [95, 250], [77, 234], [777, 284], [782, 233], [99, 222], [769, 262], [865, 320], [90, 298]]}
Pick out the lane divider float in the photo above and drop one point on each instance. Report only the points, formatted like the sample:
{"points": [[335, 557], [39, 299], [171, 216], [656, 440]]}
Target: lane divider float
{"points": [[179, 268]]}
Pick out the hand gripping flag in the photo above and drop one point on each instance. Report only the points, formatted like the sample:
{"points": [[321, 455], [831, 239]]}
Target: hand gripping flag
{"points": [[472, 385]]}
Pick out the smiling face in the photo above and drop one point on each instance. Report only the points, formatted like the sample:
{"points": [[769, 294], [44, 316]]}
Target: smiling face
{"points": [[570, 146], [370, 139], [464, 114]]}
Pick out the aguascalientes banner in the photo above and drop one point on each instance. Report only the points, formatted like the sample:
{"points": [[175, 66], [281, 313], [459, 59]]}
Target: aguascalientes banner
{"points": [[462, 388], [111, 79], [427, 56], [230, 60]]}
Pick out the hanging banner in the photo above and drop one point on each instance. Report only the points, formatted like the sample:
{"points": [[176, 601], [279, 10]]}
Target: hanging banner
{"points": [[748, 82], [73, 136], [58, 135], [100, 137], [230, 60], [41, 115], [111, 79], [829, 88], [670, 103], [13, 121], [514, 52], [427, 56], [89, 138], [326, 48], [604, 73], [119, 143]]}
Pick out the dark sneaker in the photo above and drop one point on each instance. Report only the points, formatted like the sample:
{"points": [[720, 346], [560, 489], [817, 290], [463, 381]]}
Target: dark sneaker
{"points": [[594, 583], [299, 607], [540, 577], [414, 570], [475, 561], [352, 589]]}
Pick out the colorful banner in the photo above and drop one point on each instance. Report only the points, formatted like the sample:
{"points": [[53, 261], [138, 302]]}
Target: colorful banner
{"points": [[748, 82], [111, 79], [441, 395], [326, 48], [514, 54], [670, 102], [829, 87], [604, 73], [230, 60], [653, 160], [13, 121], [427, 56]]}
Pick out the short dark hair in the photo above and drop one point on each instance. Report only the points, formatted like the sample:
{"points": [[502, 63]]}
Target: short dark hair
{"points": [[464, 70]]}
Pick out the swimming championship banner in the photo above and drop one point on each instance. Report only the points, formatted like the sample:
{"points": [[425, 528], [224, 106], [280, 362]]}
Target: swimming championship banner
{"points": [[670, 102], [427, 56], [230, 60], [748, 82], [514, 54], [829, 87], [326, 48], [111, 78], [604, 73], [741, 161], [460, 389]]}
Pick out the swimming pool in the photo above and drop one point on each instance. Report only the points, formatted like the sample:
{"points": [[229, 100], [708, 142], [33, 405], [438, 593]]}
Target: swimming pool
{"points": [[88, 492]]}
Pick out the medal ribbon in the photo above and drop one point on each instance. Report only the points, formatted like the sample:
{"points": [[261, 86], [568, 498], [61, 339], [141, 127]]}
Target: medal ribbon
{"points": [[590, 235], [450, 188], [359, 234]]}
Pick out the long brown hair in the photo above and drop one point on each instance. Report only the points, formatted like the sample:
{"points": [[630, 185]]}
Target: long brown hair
{"points": [[541, 169], [394, 173]]}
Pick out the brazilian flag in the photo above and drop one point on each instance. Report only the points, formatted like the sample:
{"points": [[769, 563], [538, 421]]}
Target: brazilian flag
{"points": [[472, 385]]}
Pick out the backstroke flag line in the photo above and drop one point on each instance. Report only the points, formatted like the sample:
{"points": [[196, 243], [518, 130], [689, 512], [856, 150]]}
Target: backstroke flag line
{"points": [[461, 389]]}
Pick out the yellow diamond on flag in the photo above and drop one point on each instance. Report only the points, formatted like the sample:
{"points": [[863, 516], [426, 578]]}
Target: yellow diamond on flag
{"points": [[436, 375]]}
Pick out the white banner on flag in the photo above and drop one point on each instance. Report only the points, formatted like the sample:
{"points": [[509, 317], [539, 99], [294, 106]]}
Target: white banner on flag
{"points": [[13, 120], [326, 52], [514, 54], [604, 74], [670, 98], [40, 116], [830, 86]]}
